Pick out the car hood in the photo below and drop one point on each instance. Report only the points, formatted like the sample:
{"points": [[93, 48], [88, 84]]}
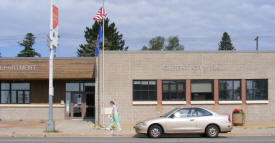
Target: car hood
{"points": [[157, 119]]}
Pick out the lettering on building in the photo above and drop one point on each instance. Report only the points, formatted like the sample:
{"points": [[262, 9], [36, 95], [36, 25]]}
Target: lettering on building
{"points": [[17, 67], [193, 67]]}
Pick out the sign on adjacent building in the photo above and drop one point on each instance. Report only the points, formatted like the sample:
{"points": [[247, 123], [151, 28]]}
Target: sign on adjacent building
{"points": [[17, 67]]}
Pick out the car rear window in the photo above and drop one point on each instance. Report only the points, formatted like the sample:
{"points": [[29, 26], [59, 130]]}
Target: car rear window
{"points": [[202, 112]]}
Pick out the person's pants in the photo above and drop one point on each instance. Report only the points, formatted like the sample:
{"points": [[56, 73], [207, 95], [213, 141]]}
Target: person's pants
{"points": [[114, 119]]}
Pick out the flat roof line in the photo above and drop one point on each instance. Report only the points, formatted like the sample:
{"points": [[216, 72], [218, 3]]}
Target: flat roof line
{"points": [[140, 51], [152, 52], [44, 58]]}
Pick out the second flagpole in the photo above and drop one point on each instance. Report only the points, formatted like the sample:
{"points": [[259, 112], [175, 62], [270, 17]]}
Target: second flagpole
{"points": [[103, 113]]}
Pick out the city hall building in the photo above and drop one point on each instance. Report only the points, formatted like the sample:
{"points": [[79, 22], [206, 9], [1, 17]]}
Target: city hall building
{"points": [[143, 84]]}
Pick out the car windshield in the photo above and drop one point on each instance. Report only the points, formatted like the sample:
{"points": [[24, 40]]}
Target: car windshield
{"points": [[170, 112]]}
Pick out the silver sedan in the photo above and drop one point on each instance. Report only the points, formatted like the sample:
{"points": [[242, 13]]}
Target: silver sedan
{"points": [[186, 120]]}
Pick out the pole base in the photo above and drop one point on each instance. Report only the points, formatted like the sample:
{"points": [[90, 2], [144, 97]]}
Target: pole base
{"points": [[50, 126]]}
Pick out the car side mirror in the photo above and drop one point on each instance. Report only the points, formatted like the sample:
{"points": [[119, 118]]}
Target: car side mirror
{"points": [[172, 116]]}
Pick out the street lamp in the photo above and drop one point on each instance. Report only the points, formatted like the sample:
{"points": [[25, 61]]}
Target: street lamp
{"points": [[53, 45]]}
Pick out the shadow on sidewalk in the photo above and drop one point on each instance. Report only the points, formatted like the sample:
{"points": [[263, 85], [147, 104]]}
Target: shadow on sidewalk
{"points": [[175, 136]]}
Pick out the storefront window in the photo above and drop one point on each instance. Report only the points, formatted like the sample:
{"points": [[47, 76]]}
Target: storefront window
{"points": [[229, 90], [5, 97], [5, 86], [15, 93], [202, 90], [72, 86], [173, 90], [257, 89], [144, 90]]}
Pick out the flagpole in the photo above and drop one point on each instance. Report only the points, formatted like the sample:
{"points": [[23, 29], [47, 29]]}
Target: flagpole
{"points": [[98, 86], [103, 122]]}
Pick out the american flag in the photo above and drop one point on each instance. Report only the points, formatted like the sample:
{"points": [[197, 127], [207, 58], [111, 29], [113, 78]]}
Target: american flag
{"points": [[100, 14]]}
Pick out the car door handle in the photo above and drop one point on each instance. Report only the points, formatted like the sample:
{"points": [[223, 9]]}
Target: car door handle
{"points": [[192, 119]]}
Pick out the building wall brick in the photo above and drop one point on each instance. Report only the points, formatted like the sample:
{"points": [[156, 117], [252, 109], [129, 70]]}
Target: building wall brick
{"points": [[216, 91], [121, 68], [188, 92], [31, 113], [159, 92]]}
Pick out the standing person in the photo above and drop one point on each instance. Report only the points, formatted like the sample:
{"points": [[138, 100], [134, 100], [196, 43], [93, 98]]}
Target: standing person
{"points": [[114, 117]]}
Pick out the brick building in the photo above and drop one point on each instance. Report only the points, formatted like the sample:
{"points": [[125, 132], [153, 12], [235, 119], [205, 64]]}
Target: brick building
{"points": [[148, 84], [143, 85]]}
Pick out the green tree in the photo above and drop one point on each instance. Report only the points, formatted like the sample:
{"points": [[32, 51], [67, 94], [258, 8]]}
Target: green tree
{"points": [[225, 43], [174, 44], [156, 43], [27, 43], [160, 43], [113, 40]]}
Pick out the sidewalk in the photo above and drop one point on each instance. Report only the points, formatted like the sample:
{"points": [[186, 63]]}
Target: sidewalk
{"points": [[254, 129], [64, 128], [79, 128]]}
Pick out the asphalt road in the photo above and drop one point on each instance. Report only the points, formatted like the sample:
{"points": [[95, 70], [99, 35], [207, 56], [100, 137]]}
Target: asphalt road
{"points": [[142, 140]]}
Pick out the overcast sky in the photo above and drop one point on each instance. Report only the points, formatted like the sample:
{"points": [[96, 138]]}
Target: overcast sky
{"points": [[198, 23]]}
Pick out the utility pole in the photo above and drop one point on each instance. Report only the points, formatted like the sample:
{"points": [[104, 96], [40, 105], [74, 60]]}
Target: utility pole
{"points": [[257, 43], [52, 44]]}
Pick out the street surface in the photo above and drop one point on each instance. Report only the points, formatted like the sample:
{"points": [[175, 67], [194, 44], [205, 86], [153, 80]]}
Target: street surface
{"points": [[268, 139]]}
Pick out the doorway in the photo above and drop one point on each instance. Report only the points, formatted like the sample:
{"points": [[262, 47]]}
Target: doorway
{"points": [[80, 100], [90, 106]]}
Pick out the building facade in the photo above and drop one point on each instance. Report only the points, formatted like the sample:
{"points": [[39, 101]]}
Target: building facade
{"points": [[148, 84], [142, 84], [24, 88]]}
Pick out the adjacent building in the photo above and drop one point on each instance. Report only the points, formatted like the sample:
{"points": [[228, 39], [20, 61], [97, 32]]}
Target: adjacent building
{"points": [[24, 88]]}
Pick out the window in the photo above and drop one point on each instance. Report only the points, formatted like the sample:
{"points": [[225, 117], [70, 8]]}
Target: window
{"points": [[144, 90], [170, 112], [202, 112], [73, 86], [202, 90], [257, 89], [15, 93], [187, 112], [229, 90], [173, 90]]}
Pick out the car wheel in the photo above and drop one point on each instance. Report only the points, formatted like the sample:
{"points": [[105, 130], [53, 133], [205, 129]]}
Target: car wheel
{"points": [[155, 131], [212, 131]]}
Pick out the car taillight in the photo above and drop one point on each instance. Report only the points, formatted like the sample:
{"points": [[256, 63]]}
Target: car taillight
{"points": [[229, 119]]}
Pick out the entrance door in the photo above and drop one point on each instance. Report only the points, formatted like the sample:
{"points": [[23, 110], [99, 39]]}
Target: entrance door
{"points": [[89, 89], [80, 100], [77, 105], [90, 106]]}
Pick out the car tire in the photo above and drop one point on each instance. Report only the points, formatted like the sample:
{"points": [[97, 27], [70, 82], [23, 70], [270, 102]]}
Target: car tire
{"points": [[155, 131], [212, 131]]}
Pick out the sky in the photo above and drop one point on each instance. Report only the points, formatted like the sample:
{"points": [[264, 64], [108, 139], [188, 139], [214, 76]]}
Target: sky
{"points": [[199, 24]]}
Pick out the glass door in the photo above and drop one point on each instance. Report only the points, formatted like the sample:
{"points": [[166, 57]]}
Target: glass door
{"points": [[77, 105], [80, 100]]}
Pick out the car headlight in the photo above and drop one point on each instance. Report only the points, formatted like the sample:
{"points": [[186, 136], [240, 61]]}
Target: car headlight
{"points": [[141, 124]]}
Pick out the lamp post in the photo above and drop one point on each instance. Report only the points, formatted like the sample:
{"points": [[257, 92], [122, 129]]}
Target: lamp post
{"points": [[53, 45], [257, 43]]}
